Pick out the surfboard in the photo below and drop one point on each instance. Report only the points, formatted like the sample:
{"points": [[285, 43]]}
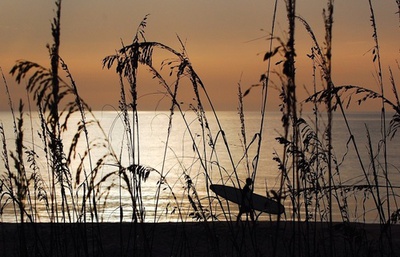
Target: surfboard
{"points": [[258, 202]]}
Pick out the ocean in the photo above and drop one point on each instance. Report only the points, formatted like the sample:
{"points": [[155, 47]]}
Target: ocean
{"points": [[181, 160]]}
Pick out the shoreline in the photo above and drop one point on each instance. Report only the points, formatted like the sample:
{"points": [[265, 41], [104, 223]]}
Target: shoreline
{"points": [[218, 238]]}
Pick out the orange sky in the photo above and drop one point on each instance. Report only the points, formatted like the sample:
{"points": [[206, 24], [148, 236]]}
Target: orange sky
{"points": [[219, 38]]}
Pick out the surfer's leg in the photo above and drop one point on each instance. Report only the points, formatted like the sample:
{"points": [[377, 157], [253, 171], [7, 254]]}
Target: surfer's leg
{"points": [[239, 215], [252, 217]]}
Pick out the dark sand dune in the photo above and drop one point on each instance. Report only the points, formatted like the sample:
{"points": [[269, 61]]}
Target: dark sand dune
{"points": [[199, 239]]}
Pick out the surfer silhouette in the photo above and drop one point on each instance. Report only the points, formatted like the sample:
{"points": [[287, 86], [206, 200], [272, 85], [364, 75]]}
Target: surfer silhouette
{"points": [[246, 203]]}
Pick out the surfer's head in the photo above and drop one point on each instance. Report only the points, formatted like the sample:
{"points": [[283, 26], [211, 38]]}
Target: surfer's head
{"points": [[249, 181]]}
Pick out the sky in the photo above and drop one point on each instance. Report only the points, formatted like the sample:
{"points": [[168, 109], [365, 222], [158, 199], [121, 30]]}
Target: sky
{"points": [[225, 41]]}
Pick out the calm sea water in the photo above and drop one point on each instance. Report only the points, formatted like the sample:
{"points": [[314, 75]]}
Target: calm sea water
{"points": [[186, 153]]}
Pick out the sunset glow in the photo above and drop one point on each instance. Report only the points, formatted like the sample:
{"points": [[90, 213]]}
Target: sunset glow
{"points": [[225, 41]]}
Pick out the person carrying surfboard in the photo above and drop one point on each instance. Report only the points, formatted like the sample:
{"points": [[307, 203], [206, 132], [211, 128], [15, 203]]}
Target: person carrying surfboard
{"points": [[246, 203]]}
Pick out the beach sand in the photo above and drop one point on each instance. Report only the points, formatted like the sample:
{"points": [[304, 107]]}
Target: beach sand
{"points": [[199, 239]]}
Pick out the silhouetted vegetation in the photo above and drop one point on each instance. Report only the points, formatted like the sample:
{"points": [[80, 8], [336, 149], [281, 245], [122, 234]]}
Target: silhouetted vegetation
{"points": [[74, 185]]}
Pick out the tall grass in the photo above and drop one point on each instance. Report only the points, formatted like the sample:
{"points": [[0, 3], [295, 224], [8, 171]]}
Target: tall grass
{"points": [[74, 185]]}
